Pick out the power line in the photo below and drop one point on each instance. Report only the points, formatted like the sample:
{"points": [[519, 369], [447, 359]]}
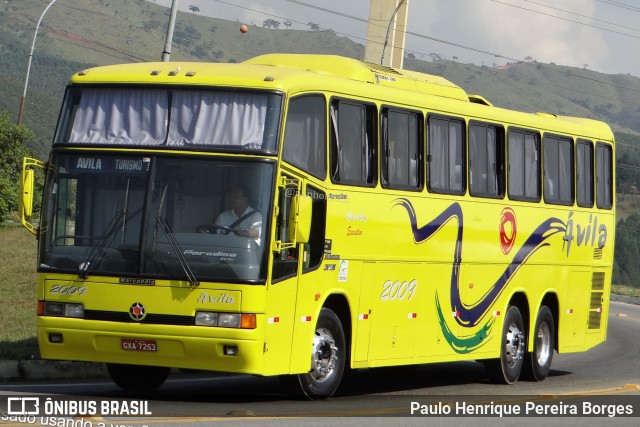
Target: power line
{"points": [[620, 5], [566, 19], [582, 16]]}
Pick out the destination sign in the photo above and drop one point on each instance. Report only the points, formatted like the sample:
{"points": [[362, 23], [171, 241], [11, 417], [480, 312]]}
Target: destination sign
{"points": [[110, 164]]}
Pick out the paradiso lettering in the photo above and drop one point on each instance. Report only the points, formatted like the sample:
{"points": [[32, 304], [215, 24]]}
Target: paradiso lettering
{"points": [[585, 234]]}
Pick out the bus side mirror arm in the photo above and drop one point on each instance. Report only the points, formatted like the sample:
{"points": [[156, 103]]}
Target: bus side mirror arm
{"points": [[298, 210], [27, 185]]}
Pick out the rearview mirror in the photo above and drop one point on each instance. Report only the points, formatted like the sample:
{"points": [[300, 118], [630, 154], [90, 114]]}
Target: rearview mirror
{"points": [[300, 219], [27, 184]]}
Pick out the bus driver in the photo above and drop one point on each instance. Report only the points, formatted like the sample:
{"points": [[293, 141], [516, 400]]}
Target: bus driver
{"points": [[241, 219]]}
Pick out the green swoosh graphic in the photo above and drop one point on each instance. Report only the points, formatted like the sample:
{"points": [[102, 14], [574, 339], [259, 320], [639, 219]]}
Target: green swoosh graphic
{"points": [[464, 344]]}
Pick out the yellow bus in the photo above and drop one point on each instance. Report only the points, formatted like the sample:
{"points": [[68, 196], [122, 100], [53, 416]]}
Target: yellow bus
{"points": [[302, 215]]}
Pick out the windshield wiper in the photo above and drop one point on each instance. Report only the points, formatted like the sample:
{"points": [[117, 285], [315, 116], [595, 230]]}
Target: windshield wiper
{"points": [[193, 281], [105, 240]]}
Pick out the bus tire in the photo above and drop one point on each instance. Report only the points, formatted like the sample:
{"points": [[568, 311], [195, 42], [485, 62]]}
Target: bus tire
{"points": [[537, 363], [137, 378], [328, 359], [507, 368]]}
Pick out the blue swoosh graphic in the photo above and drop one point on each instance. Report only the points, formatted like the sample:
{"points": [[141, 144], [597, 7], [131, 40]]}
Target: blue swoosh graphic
{"points": [[470, 316]]}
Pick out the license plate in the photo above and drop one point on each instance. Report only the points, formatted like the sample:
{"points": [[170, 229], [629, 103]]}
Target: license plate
{"points": [[130, 344]]}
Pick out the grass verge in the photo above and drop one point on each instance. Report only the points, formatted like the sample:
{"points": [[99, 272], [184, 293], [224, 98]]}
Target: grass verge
{"points": [[625, 290], [17, 293]]}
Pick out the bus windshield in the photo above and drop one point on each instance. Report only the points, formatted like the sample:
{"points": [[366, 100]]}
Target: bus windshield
{"points": [[205, 119], [153, 217]]}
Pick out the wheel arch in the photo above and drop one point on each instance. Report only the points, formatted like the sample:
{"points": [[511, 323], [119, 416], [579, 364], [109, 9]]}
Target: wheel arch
{"points": [[339, 304], [520, 300]]}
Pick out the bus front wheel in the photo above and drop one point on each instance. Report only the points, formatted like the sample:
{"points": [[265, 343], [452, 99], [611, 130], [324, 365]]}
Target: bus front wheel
{"points": [[328, 358], [507, 368], [137, 378]]}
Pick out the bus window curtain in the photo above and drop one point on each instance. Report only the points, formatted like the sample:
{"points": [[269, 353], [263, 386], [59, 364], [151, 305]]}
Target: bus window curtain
{"points": [[130, 117], [531, 167], [564, 163], [205, 118], [304, 138], [335, 174], [438, 163]]}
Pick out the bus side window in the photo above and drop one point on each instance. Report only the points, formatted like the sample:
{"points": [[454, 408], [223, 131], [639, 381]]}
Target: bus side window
{"points": [[486, 160], [305, 135], [401, 152], [524, 165], [314, 249], [604, 176], [558, 170], [584, 173], [445, 146], [353, 142]]}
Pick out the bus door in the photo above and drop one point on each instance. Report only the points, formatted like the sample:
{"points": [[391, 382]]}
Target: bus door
{"points": [[298, 248]]}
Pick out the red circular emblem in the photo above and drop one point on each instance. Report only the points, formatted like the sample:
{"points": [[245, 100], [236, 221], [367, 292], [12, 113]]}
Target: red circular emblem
{"points": [[137, 311], [507, 230]]}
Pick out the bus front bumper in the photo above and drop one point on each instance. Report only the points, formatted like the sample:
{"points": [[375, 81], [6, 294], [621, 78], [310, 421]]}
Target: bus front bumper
{"points": [[188, 347]]}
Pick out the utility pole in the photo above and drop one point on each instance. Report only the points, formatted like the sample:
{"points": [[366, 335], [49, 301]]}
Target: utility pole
{"points": [[26, 80], [386, 32], [166, 53]]}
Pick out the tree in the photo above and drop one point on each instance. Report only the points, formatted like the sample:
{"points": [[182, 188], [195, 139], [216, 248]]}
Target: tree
{"points": [[13, 139], [193, 8], [626, 270], [288, 24], [313, 27], [271, 23]]}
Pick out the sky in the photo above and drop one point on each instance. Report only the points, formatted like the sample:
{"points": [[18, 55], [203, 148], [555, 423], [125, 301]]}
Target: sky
{"points": [[601, 35]]}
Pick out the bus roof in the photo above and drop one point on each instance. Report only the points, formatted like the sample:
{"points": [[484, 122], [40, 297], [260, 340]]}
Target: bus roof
{"points": [[317, 72], [366, 72]]}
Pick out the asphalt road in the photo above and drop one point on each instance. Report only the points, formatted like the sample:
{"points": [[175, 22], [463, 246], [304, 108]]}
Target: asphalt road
{"points": [[608, 374]]}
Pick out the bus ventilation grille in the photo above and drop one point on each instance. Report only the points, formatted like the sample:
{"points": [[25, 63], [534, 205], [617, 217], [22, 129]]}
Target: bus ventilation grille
{"points": [[595, 306], [382, 68], [597, 253]]}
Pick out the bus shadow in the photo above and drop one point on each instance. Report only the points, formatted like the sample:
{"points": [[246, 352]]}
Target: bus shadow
{"points": [[406, 378]]}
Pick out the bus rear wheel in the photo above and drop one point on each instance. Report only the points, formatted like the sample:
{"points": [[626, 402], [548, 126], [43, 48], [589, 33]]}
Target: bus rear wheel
{"points": [[538, 362], [507, 368], [137, 378], [328, 358]]}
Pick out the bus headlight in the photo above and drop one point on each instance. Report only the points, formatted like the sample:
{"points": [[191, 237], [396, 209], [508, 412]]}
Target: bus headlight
{"points": [[205, 318], [226, 320], [74, 310], [229, 320], [60, 309]]}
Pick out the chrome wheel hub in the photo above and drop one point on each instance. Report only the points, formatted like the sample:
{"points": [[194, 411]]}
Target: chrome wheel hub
{"points": [[324, 355], [515, 345], [543, 344]]}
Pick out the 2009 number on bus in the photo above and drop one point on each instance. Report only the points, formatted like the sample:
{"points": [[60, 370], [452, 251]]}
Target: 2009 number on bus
{"points": [[398, 290]]}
